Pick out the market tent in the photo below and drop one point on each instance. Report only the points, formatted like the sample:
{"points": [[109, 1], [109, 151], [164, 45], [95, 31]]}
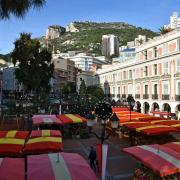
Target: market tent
{"points": [[160, 159], [12, 142], [166, 122], [174, 146], [131, 123], [12, 169], [45, 119], [44, 141], [71, 118], [69, 167], [155, 129]]}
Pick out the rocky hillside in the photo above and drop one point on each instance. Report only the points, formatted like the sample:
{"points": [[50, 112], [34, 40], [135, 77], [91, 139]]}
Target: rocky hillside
{"points": [[87, 36]]}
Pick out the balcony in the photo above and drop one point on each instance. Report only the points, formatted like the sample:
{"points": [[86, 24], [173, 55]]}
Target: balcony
{"points": [[154, 96], [165, 97], [118, 95], [177, 97], [123, 95], [137, 96], [145, 96]]}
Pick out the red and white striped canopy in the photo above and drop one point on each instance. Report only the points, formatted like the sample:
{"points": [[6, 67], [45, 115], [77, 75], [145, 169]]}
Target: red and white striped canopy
{"points": [[45, 119], [162, 160]]}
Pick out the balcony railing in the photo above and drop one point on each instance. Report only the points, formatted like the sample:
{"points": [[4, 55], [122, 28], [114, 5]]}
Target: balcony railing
{"points": [[155, 96], [118, 95], [165, 97], [177, 97], [112, 95], [123, 95], [145, 96], [137, 96]]}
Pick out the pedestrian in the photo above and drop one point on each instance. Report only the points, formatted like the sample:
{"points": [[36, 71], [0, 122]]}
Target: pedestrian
{"points": [[92, 158]]}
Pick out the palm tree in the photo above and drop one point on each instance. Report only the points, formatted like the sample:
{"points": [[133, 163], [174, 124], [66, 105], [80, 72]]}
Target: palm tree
{"points": [[18, 8], [164, 30]]}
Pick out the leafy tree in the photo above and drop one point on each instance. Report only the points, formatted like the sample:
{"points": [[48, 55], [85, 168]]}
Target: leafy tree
{"points": [[34, 65], [69, 88], [18, 8], [164, 30], [96, 93]]}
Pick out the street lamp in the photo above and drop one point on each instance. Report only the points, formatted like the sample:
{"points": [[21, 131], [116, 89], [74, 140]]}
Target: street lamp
{"points": [[104, 113], [131, 103]]}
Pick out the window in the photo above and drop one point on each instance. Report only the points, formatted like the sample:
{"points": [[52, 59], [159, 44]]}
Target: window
{"points": [[146, 89], [178, 88], [130, 74], [124, 89], [145, 71], [165, 48], [124, 74], [178, 44], [119, 77], [113, 77], [155, 69], [165, 68], [119, 90], [155, 89], [113, 90], [155, 51], [145, 54], [178, 65], [165, 89]]}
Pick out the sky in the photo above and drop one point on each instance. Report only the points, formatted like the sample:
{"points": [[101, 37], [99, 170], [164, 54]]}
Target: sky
{"points": [[150, 14]]}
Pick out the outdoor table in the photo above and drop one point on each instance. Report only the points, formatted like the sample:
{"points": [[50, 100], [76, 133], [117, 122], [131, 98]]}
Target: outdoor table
{"points": [[162, 160], [68, 166], [12, 142], [43, 141]]}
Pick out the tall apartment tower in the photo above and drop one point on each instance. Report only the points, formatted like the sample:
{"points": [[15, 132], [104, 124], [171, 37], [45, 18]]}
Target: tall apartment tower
{"points": [[110, 45]]}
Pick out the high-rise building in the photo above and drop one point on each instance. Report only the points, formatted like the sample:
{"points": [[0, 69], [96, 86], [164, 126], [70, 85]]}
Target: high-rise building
{"points": [[110, 45]]}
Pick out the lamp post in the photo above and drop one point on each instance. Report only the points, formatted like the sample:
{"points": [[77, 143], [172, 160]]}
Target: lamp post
{"points": [[131, 103], [104, 113]]}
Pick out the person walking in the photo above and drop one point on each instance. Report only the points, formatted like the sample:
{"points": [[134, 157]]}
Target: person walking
{"points": [[92, 158]]}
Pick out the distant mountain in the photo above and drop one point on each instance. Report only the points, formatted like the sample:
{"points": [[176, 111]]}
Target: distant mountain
{"points": [[87, 36]]}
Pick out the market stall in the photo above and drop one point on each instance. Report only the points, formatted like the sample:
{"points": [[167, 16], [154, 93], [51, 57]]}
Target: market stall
{"points": [[158, 161], [68, 167], [44, 141], [12, 142]]}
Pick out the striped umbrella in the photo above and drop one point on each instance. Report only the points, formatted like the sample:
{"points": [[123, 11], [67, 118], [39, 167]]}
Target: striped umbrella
{"points": [[160, 159], [71, 118], [68, 167]]}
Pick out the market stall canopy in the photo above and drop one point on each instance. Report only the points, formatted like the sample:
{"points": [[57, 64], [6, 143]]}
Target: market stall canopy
{"points": [[160, 159], [174, 146], [12, 142], [69, 167], [45, 119], [44, 141], [11, 169], [71, 118], [164, 113]]}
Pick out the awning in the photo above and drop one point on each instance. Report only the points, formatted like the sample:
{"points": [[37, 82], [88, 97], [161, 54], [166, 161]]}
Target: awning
{"points": [[69, 167], [45, 119], [161, 160], [174, 146], [12, 169], [44, 141], [71, 118], [12, 142]]}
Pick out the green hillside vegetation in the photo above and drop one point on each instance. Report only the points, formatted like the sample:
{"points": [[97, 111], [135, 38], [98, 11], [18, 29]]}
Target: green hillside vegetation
{"points": [[89, 37], [6, 57]]}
